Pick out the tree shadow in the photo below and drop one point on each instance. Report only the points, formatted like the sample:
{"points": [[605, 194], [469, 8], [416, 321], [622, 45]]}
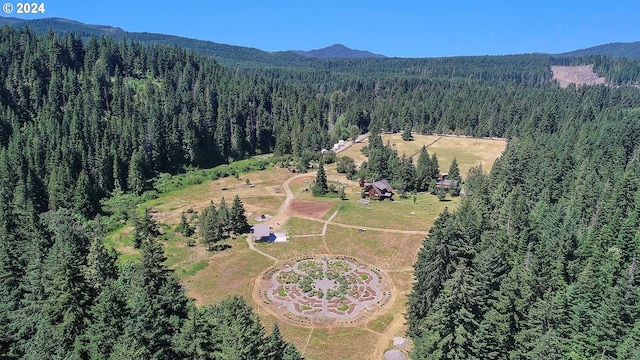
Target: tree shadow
{"points": [[220, 247]]}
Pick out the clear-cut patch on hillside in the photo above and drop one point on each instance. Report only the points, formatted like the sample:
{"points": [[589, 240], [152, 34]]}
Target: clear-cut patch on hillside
{"points": [[579, 75]]}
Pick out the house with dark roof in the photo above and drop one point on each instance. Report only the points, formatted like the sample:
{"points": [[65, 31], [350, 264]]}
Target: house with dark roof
{"points": [[380, 190]]}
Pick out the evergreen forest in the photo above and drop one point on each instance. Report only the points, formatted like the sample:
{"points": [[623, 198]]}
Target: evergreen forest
{"points": [[539, 260]]}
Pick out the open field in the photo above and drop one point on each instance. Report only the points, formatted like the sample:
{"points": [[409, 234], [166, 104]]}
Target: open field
{"points": [[297, 226], [401, 214], [262, 197], [469, 152], [384, 235]]}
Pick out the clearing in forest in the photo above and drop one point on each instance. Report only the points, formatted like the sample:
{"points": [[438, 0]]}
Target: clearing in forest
{"points": [[357, 239], [468, 152], [579, 75]]}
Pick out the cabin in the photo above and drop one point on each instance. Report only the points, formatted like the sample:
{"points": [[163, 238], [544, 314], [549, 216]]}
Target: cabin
{"points": [[261, 232], [445, 183], [380, 190]]}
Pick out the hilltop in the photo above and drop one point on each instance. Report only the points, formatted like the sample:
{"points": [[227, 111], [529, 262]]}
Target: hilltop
{"points": [[338, 51], [616, 49]]}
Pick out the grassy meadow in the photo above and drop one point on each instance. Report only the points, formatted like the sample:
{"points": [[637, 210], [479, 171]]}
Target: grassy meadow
{"points": [[469, 152]]}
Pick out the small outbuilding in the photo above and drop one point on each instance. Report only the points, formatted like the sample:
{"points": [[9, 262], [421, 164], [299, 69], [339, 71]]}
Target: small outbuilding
{"points": [[261, 232], [280, 237]]}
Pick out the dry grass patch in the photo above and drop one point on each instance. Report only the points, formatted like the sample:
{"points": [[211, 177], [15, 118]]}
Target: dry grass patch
{"points": [[303, 180], [314, 209], [257, 205], [297, 246], [229, 272], [382, 322], [355, 152], [340, 343], [409, 148], [468, 152], [261, 197], [387, 251], [297, 226]]}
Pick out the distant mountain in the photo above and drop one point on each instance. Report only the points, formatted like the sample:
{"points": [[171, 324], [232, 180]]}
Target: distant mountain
{"points": [[617, 49], [338, 51], [60, 25], [229, 55], [234, 56]]}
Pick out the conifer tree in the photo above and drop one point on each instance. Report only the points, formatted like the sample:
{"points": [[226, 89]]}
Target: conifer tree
{"points": [[450, 327], [157, 303], [406, 135], [195, 339], [144, 229], [108, 317], [341, 194], [424, 171], [405, 180], [239, 334], [101, 265], [237, 216], [454, 171], [276, 344], [9, 293], [67, 289], [184, 227], [83, 201], [320, 188], [209, 229], [136, 181], [222, 221]]}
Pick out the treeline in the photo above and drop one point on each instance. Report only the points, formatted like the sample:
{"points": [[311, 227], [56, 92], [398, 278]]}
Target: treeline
{"points": [[82, 120], [540, 261]]}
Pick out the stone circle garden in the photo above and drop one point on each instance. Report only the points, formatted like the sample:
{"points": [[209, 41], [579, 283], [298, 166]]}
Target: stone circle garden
{"points": [[324, 290]]}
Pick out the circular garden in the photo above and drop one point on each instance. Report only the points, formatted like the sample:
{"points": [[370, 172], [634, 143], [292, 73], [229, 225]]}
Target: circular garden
{"points": [[324, 290]]}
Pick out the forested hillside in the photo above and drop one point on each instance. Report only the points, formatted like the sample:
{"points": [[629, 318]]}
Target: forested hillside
{"points": [[539, 261], [78, 122]]}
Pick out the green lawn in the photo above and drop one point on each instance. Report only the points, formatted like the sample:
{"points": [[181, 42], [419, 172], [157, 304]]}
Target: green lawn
{"points": [[395, 214]]}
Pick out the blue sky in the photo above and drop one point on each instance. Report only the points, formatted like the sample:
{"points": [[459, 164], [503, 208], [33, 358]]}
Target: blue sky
{"points": [[393, 28]]}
